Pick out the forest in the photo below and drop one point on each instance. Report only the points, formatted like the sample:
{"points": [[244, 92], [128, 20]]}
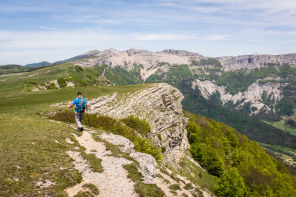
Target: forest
{"points": [[243, 167]]}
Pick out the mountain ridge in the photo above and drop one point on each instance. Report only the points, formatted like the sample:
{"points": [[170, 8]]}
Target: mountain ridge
{"points": [[279, 58]]}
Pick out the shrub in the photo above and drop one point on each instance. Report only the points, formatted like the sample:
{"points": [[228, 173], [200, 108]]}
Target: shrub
{"points": [[188, 186], [78, 68], [291, 123], [92, 188], [51, 86], [62, 82], [31, 83], [65, 116], [145, 146], [175, 187], [142, 126], [79, 81]]}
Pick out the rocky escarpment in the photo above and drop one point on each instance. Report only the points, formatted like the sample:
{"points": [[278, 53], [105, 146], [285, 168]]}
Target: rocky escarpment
{"points": [[253, 95], [255, 61], [160, 104], [147, 62], [150, 61]]}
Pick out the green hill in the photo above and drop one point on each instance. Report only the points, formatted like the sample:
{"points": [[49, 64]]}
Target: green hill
{"points": [[225, 153]]}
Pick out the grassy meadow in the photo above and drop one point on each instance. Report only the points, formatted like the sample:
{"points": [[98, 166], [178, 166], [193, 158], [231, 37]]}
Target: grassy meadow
{"points": [[281, 125], [32, 147]]}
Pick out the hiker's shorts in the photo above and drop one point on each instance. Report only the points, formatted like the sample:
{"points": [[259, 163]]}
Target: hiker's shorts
{"points": [[78, 118]]}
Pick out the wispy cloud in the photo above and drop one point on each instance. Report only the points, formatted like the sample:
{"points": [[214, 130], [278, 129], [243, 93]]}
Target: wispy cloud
{"points": [[217, 37], [163, 37]]}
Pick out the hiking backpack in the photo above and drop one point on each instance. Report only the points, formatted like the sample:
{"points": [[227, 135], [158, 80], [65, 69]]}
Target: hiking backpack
{"points": [[81, 104]]}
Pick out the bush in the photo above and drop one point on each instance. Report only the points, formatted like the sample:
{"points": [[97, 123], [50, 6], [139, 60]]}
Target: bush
{"points": [[65, 116], [142, 126], [291, 123], [175, 187], [145, 146], [78, 68], [51, 86], [62, 82], [31, 83], [285, 106]]}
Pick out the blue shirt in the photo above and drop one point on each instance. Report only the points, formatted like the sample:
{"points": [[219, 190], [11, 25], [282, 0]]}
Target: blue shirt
{"points": [[76, 103]]}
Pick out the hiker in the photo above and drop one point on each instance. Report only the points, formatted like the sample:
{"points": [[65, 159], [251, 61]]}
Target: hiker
{"points": [[81, 104]]}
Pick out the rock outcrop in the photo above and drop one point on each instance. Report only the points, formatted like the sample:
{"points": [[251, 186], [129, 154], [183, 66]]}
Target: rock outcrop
{"points": [[160, 104], [146, 60], [253, 95], [255, 61]]}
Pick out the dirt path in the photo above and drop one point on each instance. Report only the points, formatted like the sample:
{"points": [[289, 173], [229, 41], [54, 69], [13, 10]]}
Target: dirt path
{"points": [[112, 181]]}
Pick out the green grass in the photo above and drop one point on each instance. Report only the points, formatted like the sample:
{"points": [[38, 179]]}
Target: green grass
{"points": [[281, 125], [84, 194], [95, 163], [280, 149], [33, 148], [92, 188], [195, 174], [175, 187], [144, 190], [113, 148]]}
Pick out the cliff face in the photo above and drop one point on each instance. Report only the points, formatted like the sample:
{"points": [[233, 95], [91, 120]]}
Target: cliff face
{"points": [[252, 95], [150, 60], [255, 61], [160, 104], [147, 61]]}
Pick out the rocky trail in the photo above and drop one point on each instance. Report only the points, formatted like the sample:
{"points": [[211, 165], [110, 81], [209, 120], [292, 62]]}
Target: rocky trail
{"points": [[114, 181]]}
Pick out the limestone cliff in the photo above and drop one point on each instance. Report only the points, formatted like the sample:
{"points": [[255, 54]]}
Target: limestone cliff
{"points": [[160, 104], [255, 61], [150, 61], [253, 95]]}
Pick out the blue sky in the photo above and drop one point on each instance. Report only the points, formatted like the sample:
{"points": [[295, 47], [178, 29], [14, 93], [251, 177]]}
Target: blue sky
{"points": [[33, 30]]}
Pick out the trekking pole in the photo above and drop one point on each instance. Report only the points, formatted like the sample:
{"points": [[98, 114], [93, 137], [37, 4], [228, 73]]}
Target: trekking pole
{"points": [[87, 119]]}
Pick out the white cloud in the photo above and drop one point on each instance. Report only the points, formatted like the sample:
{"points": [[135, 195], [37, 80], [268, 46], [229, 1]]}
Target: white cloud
{"points": [[53, 39], [163, 37], [217, 37]]}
